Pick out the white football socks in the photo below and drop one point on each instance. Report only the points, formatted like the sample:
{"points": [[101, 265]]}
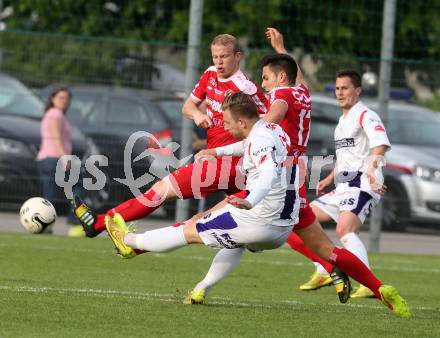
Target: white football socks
{"points": [[222, 265], [159, 240], [320, 269], [353, 243]]}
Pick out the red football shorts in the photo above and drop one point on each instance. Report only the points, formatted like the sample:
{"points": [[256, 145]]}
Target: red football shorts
{"points": [[306, 214], [201, 179]]}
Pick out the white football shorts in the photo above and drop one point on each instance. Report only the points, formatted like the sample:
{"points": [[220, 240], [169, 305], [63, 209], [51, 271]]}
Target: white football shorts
{"points": [[354, 196], [219, 229]]}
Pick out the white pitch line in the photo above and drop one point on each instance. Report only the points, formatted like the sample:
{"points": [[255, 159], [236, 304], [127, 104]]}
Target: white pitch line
{"points": [[166, 297], [293, 263], [398, 268]]}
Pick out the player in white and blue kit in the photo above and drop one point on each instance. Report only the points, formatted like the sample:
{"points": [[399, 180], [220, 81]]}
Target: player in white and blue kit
{"points": [[361, 142], [265, 216], [263, 219]]}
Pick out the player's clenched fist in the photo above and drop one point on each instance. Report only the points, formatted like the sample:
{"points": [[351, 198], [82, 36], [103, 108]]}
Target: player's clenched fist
{"points": [[205, 155], [202, 120], [320, 188]]}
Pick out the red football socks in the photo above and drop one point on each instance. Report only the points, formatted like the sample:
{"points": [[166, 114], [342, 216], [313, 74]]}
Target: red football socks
{"points": [[353, 266], [99, 224], [133, 209]]}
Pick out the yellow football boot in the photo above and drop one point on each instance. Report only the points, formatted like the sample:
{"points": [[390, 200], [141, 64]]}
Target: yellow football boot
{"points": [[195, 297], [363, 292], [316, 282], [391, 298], [117, 229]]}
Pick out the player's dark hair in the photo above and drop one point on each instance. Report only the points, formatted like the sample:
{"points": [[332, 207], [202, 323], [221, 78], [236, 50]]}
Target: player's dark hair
{"points": [[227, 39], [49, 102], [281, 62], [240, 105], [354, 76]]}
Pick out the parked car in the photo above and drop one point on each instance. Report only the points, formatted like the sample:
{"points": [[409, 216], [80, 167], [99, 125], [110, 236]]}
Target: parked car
{"points": [[20, 114], [412, 172], [109, 116], [172, 106]]}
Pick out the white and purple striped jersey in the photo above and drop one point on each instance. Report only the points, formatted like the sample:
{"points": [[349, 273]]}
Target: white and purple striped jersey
{"points": [[269, 182]]}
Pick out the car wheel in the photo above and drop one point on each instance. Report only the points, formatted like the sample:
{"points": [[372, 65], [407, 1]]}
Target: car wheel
{"points": [[396, 209]]}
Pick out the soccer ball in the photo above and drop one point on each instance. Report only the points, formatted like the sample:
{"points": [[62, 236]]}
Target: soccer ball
{"points": [[36, 214]]}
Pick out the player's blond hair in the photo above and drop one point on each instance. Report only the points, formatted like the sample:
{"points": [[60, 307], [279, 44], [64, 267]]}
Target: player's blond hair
{"points": [[227, 39], [240, 105]]}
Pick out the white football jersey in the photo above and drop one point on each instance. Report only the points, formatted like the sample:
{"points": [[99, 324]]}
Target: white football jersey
{"points": [[358, 131], [281, 205]]}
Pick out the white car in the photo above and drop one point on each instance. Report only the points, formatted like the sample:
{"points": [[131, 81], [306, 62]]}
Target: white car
{"points": [[412, 173]]}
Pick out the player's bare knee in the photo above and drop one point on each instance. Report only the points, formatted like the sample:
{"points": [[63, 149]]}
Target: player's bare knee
{"points": [[348, 222]]}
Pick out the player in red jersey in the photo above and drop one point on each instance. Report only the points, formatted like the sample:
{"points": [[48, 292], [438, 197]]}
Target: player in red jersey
{"points": [[193, 179], [321, 277], [291, 108]]}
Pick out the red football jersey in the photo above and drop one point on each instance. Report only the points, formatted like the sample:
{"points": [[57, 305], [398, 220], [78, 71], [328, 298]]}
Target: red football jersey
{"points": [[296, 122], [213, 89]]}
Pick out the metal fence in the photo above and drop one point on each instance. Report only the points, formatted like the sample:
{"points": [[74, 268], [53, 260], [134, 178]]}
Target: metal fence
{"points": [[122, 43]]}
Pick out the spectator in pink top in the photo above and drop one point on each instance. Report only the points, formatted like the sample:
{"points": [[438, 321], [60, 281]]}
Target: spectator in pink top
{"points": [[55, 142]]}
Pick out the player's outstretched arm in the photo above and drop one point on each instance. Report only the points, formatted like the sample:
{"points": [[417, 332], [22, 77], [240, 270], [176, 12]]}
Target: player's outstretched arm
{"points": [[234, 149], [205, 155], [191, 110], [267, 175], [277, 112], [277, 42]]}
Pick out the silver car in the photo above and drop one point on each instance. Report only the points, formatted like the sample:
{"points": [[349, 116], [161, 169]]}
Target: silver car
{"points": [[412, 173]]}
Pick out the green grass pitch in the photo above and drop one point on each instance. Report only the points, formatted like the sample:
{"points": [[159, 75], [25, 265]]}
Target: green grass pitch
{"points": [[53, 286]]}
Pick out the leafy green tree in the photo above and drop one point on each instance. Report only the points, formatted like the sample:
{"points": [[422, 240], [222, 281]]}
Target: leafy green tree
{"points": [[86, 40]]}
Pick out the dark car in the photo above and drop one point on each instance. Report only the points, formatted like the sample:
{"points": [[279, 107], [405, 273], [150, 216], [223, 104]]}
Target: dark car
{"points": [[111, 117], [172, 106], [20, 114]]}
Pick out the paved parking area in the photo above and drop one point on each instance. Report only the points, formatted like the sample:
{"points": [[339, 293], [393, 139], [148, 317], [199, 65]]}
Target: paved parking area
{"points": [[422, 244]]}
